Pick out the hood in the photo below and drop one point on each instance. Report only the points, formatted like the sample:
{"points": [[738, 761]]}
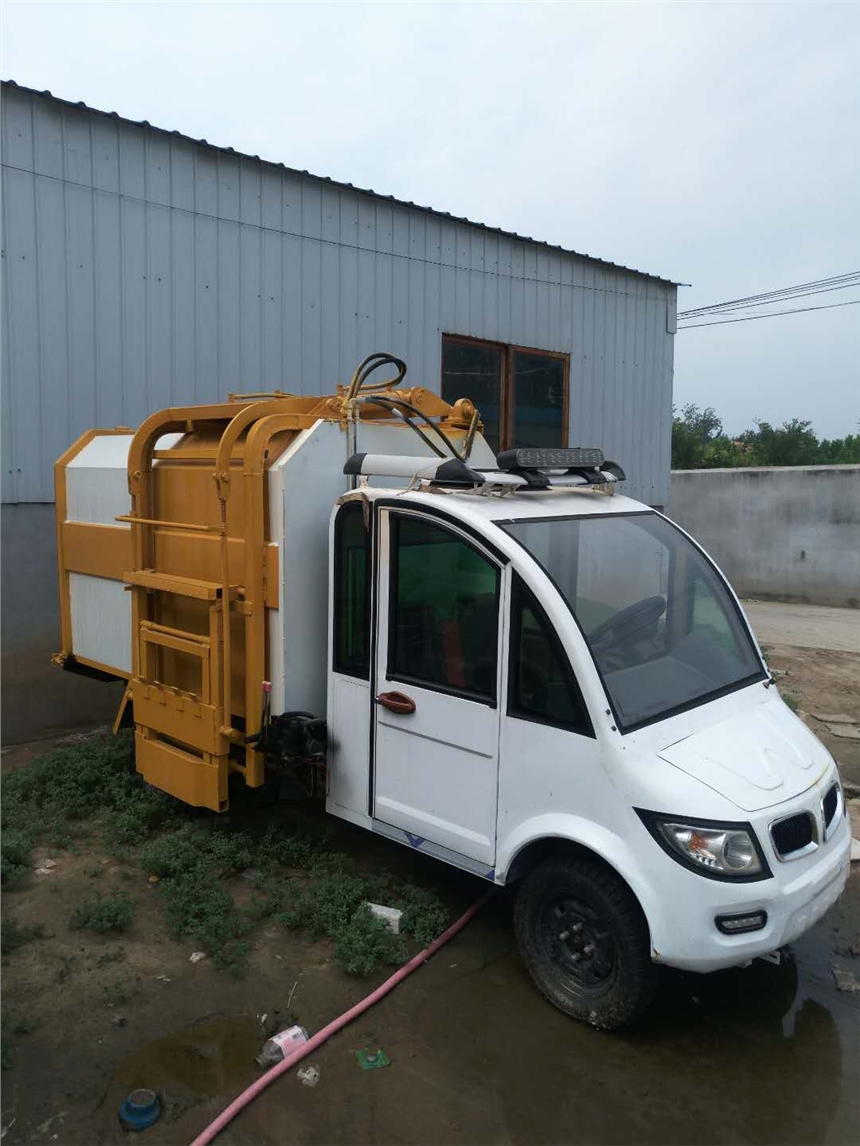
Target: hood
{"points": [[756, 758]]}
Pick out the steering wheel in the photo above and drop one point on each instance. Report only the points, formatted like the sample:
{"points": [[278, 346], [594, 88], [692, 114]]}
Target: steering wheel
{"points": [[639, 614]]}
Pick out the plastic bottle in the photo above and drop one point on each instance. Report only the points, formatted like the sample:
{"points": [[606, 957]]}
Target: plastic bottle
{"points": [[281, 1044]]}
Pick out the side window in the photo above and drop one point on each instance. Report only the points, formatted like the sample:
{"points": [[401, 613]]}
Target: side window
{"points": [[443, 631], [541, 684], [352, 591]]}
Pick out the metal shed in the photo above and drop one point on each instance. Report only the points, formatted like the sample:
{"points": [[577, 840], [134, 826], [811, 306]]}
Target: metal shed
{"points": [[143, 268]]}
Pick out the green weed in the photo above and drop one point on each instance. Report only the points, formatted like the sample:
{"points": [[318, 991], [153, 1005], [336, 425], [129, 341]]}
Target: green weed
{"points": [[198, 906], [190, 847], [68, 792], [365, 942], [118, 992], [14, 935], [333, 903], [791, 700], [104, 913]]}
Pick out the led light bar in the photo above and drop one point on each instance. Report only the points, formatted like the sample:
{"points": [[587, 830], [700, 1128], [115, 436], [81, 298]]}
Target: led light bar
{"points": [[740, 924], [579, 457]]}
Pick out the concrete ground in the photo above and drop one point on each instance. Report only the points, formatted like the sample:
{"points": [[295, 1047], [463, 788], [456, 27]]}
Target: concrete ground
{"points": [[805, 626]]}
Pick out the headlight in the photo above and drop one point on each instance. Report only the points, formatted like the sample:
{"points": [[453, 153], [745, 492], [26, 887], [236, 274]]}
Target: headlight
{"points": [[722, 851]]}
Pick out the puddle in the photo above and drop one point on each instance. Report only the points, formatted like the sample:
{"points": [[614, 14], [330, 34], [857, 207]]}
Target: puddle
{"points": [[213, 1057]]}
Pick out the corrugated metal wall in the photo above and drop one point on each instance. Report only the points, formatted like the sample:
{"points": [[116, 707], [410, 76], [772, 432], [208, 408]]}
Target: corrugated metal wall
{"points": [[141, 269]]}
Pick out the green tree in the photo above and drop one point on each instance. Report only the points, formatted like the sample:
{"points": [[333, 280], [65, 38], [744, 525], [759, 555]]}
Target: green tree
{"points": [[792, 444], [840, 451], [692, 430], [699, 442]]}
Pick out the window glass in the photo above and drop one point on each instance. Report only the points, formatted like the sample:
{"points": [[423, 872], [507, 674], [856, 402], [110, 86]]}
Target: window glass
{"points": [[445, 608], [660, 623], [475, 371], [538, 406], [541, 684], [352, 591]]}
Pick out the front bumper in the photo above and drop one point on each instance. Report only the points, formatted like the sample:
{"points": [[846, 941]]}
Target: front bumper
{"points": [[795, 898]]}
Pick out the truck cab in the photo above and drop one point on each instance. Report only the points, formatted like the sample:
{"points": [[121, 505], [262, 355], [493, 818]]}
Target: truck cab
{"points": [[551, 686]]}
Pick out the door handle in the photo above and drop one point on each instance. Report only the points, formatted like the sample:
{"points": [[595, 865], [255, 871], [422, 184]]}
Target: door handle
{"points": [[397, 702]]}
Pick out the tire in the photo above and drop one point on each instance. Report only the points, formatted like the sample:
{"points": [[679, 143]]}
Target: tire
{"points": [[585, 942]]}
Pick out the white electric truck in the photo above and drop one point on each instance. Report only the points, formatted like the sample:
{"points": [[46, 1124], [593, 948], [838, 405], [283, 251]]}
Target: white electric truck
{"points": [[524, 675]]}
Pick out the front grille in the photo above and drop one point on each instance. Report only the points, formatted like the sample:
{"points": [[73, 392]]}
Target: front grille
{"points": [[830, 803], [793, 833]]}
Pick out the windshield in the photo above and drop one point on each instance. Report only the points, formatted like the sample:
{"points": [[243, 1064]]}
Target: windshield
{"points": [[663, 629]]}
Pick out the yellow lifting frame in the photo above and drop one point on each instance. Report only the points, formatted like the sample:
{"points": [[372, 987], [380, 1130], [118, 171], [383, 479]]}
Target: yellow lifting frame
{"points": [[248, 424]]}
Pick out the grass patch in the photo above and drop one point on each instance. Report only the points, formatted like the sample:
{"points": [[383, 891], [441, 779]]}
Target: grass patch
{"points": [[62, 795], [118, 992], [297, 880], [791, 700], [333, 903], [104, 913], [13, 935], [191, 863], [326, 902], [365, 942]]}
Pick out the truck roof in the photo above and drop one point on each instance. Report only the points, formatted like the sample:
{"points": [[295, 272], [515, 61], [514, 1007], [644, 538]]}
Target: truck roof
{"points": [[476, 508]]}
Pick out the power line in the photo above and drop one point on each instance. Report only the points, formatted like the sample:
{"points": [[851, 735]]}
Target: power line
{"points": [[773, 314], [726, 309], [834, 282]]}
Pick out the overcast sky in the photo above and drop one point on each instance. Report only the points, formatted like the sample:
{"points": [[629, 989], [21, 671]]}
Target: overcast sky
{"points": [[713, 143]]}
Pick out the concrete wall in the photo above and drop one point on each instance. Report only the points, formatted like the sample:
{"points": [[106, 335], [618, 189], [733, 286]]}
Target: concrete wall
{"points": [[37, 698], [790, 533]]}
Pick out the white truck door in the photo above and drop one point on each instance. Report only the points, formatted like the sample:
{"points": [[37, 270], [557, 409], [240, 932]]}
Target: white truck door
{"points": [[436, 690]]}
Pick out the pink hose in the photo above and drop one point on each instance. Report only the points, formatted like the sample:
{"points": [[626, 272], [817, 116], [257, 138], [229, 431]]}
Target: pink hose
{"points": [[247, 1096]]}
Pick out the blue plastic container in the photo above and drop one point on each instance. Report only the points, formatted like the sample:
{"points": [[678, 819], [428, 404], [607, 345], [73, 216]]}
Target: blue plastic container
{"points": [[140, 1110]]}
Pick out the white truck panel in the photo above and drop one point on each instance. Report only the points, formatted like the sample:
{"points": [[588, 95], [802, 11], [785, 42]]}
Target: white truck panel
{"points": [[101, 620]]}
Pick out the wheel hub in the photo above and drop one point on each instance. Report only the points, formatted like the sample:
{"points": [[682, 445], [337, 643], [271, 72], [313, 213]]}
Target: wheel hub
{"points": [[580, 943]]}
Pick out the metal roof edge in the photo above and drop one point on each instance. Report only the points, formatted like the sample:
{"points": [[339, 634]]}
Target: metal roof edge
{"points": [[81, 106]]}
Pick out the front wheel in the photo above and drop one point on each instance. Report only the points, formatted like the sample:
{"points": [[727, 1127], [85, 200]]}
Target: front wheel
{"points": [[584, 940]]}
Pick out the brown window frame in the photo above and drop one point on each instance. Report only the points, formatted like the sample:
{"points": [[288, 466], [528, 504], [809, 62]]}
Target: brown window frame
{"points": [[506, 403]]}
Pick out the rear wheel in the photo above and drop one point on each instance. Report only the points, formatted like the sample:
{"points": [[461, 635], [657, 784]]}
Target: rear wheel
{"points": [[584, 940]]}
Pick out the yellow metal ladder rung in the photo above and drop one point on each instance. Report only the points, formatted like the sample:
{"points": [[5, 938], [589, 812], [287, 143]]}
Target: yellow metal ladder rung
{"points": [[180, 586]]}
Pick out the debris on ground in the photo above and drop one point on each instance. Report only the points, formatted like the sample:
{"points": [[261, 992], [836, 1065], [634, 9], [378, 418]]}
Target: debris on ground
{"points": [[45, 867], [844, 731], [388, 915], [163, 978], [196, 956], [119, 1020], [140, 1110], [281, 1044], [855, 850], [371, 1058], [833, 718], [845, 980], [308, 1075]]}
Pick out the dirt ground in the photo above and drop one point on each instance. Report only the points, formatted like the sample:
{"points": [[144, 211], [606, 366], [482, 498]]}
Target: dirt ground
{"points": [[758, 1055], [823, 682]]}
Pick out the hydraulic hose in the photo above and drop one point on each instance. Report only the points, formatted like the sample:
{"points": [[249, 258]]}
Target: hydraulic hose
{"points": [[317, 1040]]}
